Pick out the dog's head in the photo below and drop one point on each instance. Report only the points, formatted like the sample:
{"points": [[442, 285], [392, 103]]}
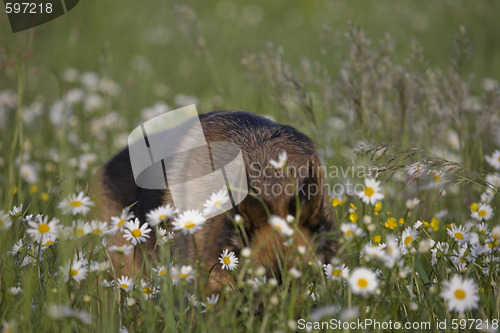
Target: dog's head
{"points": [[294, 189]]}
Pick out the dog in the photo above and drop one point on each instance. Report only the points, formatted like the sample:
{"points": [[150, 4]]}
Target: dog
{"points": [[260, 141]]}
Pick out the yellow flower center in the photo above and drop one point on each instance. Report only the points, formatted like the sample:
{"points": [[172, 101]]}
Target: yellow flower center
{"points": [[183, 275], [163, 272], [437, 178], [188, 224], [474, 207], [389, 249], [460, 293], [408, 240], [336, 272], [80, 232], [124, 286], [459, 235], [121, 222], [49, 243], [348, 233], [498, 158], [362, 283], [76, 203], [278, 227], [147, 290], [43, 228], [97, 231], [377, 239], [73, 272], [226, 260], [162, 217], [217, 203], [1, 223], [369, 191], [136, 233], [482, 213]]}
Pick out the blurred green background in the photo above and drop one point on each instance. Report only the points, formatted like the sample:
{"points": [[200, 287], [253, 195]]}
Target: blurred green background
{"points": [[180, 53], [108, 36]]}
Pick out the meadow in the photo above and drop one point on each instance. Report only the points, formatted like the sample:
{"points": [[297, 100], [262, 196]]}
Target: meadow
{"points": [[402, 101]]}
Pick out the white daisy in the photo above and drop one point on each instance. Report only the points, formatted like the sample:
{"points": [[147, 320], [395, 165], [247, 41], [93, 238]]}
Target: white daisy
{"points": [[121, 249], [460, 294], [228, 260], [98, 267], [76, 204], [458, 233], [118, 222], [393, 251], [295, 273], [41, 228], [483, 228], [189, 221], [80, 229], [18, 247], [14, 290], [335, 273], [136, 233], [487, 196], [372, 252], [494, 159], [407, 238], [491, 179], [48, 242], [210, 303], [75, 270], [29, 173], [440, 248], [149, 290], [412, 203], [125, 283], [280, 164], [99, 228], [5, 220], [495, 232], [16, 211], [351, 230], [186, 273], [363, 281], [280, 225], [215, 204], [483, 212], [160, 214], [161, 270], [163, 235], [372, 192]]}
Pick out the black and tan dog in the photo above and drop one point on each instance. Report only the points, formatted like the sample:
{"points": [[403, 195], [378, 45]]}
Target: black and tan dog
{"points": [[259, 140]]}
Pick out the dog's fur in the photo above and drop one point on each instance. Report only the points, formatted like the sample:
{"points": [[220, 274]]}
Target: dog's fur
{"points": [[260, 140]]}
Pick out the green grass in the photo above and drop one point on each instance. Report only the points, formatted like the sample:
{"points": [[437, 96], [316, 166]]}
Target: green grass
{"points": [[366, 99]]}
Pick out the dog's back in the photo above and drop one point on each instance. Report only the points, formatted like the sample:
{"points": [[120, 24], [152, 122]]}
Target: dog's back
{"points": [[260, 140]]}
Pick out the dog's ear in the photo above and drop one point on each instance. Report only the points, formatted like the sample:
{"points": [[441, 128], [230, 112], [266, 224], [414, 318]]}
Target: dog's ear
{"points": [[316, 212], [253, 211], [313, 196]]}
